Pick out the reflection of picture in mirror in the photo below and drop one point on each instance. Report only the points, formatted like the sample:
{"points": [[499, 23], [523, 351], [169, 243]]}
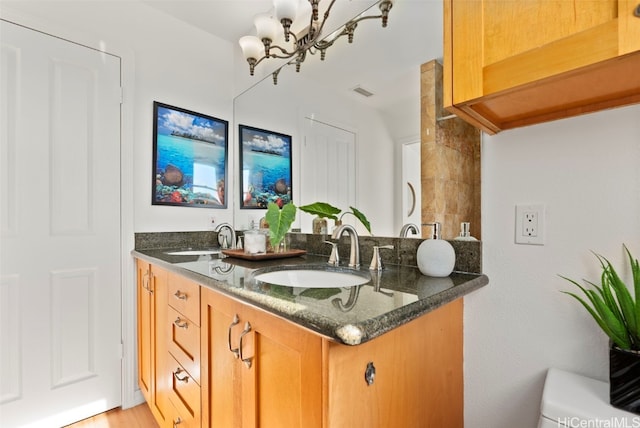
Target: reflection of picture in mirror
{"points": [[189, 158], [265, 174]]}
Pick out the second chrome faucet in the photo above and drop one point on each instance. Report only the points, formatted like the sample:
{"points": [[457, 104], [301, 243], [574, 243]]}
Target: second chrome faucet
{"points": [[354, 255]]}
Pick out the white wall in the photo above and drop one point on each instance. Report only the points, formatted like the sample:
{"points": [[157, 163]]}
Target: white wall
{"points": [[587, 172], [175, 63]]}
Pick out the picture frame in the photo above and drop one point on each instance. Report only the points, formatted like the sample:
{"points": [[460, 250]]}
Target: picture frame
{"points": [[190, 158], [265, 173]]}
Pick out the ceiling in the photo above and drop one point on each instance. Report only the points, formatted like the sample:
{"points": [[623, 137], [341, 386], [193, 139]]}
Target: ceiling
{"points": [[384, 61]]}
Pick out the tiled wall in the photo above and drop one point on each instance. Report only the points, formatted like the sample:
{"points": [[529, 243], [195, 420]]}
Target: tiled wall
{"points": [[450, 151]]}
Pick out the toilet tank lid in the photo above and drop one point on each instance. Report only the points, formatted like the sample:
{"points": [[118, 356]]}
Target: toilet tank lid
{"points": [[569, 395]]}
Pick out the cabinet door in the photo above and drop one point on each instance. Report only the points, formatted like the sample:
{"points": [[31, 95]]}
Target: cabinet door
{"points": [[278, 380], [152, 338], [512, 63], [145, 333], [220, 370], [418, 378], [281, 373]]}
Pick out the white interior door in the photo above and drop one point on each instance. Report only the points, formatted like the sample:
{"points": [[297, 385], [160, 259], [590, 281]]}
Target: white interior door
{"points": [[411, 187], [60, 321], [328, 165]]}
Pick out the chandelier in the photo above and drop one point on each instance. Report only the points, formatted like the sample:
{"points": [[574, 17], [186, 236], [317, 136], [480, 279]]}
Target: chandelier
{"points": [[287, 15]]}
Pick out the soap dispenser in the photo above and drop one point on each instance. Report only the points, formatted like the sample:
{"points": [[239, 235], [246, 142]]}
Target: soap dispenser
{"points": [[436, 256], [465, 234]]}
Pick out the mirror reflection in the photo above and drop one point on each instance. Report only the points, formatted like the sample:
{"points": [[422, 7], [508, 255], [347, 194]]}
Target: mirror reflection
{"points": [[350, 149]]}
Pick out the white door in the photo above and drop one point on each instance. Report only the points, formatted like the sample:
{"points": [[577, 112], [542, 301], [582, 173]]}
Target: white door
{"points": [[327, 168], [411, 187], [60, 321]]}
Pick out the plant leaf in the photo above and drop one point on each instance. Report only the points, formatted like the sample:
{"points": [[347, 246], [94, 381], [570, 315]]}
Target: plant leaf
{"points": [[362, 218], [322, 210], [280, 220], [625, 301], [635, 272], [596, 317]]}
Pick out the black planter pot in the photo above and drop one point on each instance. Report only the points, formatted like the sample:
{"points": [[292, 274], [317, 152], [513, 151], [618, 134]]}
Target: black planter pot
{"points": [[624, 378]]}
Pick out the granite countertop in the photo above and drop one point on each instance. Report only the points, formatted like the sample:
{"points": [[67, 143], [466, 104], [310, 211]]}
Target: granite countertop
{"points": [[351, 315]]}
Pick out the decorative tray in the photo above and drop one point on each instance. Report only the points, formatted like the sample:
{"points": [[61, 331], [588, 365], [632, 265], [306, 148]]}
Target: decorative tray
{"points": [[240, 254]]}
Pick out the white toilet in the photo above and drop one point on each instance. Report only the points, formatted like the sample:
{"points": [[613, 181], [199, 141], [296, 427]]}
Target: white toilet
{"points": [[571, 400]]}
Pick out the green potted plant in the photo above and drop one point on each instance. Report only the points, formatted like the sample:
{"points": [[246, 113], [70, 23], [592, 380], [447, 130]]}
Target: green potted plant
{"points": [[325, 210], [279, 220], [617, 312]]}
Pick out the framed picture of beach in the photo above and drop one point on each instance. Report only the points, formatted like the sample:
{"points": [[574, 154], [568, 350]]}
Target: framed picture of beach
{"points": [[190, 152], [265, 167]]}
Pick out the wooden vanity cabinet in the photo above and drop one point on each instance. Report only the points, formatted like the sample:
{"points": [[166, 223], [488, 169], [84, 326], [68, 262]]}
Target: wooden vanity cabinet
{"points": [[208, 360], [515, 63], [152, 344], [257, 369]]}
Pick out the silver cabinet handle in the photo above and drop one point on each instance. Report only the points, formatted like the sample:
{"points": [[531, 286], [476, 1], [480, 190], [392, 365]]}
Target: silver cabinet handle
{"points": [[184, 378], [180, 295], [177, 422], [181, 323], [636, 11], [247, 329], [235, 321]]}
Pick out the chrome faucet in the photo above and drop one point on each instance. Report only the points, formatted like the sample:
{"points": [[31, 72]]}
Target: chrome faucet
{"points": [[225, 242], [409, 227], [354, 255]]}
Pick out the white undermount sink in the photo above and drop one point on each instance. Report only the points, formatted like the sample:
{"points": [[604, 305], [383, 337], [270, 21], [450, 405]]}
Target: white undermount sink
{"points": [[313, 277], [193, 252]]}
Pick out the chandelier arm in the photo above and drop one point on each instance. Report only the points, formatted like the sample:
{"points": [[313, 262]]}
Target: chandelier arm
{"points": [[284, 53]]}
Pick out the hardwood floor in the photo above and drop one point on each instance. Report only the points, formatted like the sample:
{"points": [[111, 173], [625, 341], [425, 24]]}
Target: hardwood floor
{"points": [[135, 417]]}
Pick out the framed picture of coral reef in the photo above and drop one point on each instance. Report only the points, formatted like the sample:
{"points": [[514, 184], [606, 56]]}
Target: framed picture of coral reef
{"points": [[265, 167], [190, 153]]}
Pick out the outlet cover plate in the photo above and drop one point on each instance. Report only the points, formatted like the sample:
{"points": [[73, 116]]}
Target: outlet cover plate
{"points": [[530, 221]]}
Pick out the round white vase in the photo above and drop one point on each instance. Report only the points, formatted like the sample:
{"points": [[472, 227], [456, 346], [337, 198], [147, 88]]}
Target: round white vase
{"points": [[436, 257]]}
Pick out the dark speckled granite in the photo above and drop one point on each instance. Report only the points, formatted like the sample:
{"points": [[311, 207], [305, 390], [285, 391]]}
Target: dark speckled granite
{"points": [[352, 315], [468, 253]]}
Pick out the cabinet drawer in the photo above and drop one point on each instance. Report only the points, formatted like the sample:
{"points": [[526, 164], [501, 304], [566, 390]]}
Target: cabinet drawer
{"points": [[184, 296], [176, 420], [184, 342], [184, 393]]}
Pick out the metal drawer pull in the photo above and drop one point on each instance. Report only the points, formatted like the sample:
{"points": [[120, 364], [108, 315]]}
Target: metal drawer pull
{"points": [[636, 12], [184, 379], [247, 329], [177, 422], [180, 323], [235, 351], [180, 295]]}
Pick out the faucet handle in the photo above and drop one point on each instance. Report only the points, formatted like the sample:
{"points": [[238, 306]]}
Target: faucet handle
{"points": [[376, 260], [334, 258]]}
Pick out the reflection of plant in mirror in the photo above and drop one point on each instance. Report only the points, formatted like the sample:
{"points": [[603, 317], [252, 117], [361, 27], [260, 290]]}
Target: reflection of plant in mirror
{"points": [[280, 220], [325, 210]]}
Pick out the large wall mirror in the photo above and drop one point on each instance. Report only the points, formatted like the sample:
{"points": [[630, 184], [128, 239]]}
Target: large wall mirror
{"points": [[347, 148]]}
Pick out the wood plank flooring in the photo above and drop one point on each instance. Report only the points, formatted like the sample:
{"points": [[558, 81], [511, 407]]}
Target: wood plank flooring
{"points": [[136, 417]]}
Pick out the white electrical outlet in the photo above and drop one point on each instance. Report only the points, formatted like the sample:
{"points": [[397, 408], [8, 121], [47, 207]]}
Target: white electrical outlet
{"points": [[530, 224]]}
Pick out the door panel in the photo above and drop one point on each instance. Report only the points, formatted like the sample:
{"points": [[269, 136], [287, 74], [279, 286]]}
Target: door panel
{"points": [[328, 159], [60, 242]]}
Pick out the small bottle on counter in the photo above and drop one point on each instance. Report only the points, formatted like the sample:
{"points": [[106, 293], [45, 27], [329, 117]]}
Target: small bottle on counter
{"points": [[465, 233], [320, 226]]}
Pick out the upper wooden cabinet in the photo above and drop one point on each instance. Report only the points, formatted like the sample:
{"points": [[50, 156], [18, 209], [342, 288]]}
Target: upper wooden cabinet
{"points": [[514, 63]]}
